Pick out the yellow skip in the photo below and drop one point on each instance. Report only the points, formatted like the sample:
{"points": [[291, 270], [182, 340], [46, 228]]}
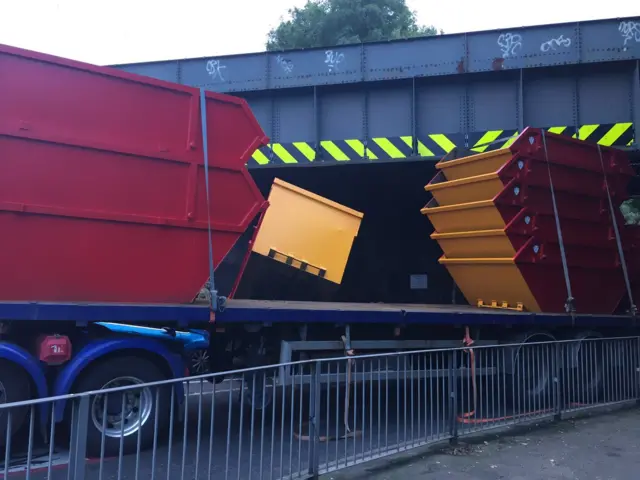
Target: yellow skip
{"points": [[307, 231]]}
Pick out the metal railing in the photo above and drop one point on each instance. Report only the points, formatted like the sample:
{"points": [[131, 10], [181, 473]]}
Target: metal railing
{"points": [[323, 416]]}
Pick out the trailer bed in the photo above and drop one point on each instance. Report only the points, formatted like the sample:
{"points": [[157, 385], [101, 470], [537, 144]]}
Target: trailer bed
{"points": [[84, 313], [271, 311]]}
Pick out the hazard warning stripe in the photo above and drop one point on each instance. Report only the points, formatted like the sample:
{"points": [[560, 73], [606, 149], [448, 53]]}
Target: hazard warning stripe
{"points": [[260, 157], [355, 150], [283, 153], [433, 145], [491, 140], [617, 134], [609, 135], [391, 147]]}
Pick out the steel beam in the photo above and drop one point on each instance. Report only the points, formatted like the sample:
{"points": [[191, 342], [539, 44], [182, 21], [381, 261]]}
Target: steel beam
{"points": [[487, 51], [404, 100]]}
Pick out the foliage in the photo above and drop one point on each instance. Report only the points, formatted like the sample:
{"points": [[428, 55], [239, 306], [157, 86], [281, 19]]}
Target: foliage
{"points": [[323, 23], [631, 211]]}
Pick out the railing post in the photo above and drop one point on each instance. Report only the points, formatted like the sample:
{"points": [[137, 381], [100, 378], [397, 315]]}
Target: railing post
{"points": [[637, 371], [78, 441], [453, 396], [558, 371], [314, 409]]}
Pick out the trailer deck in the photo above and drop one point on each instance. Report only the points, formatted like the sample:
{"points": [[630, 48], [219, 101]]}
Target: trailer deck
{"points": [[270, 311], [84, 313], [257, 311]]}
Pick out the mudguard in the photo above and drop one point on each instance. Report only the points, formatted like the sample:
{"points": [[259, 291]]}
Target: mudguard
{"points": [[21, 357], [99, 348]]}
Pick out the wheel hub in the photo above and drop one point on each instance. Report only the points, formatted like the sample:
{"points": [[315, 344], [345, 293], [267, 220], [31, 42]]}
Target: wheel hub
{"points": [[200, 362], [122, 413]]}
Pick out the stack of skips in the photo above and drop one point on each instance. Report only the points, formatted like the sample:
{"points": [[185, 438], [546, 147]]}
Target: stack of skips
{"points": [[533, 226]]}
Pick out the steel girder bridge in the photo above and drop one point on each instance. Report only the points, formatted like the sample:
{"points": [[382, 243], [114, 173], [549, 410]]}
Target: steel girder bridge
{"points": [[420, 98]]}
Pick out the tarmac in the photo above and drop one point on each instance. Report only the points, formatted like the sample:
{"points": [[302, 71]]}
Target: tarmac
{"points": [[602, 447]]}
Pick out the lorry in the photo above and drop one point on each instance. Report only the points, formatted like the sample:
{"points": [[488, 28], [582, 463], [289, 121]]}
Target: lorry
{"points": [[128, 216], [108, 234], [137, 246]]}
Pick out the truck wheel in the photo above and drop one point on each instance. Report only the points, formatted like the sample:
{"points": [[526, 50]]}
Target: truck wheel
{"points": [[258, 394], [139, 405], [199, 362], [14, 387], [531, 385]]}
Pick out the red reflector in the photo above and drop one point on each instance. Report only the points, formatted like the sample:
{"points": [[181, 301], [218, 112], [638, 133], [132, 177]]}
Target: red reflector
{"points": [[54, 349]]}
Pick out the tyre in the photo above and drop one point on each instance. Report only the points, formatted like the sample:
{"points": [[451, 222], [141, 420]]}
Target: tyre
{"points": [[531, 385], [259, 390], [14, 387], [139, 405], [583, 375]]}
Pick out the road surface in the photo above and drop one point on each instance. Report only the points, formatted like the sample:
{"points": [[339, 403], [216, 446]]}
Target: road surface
{"points": [[598, 448]]}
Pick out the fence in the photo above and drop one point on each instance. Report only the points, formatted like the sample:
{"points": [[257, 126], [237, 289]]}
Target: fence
{"points": [[303, 419]]}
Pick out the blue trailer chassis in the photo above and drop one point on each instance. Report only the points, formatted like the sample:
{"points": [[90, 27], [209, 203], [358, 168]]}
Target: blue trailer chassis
{"points": [[128, 335], [154, 327], [273, 312]]}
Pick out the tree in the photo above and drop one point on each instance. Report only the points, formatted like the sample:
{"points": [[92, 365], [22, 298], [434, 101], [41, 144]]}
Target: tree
{"points": [[631, 211], [323, 23]]}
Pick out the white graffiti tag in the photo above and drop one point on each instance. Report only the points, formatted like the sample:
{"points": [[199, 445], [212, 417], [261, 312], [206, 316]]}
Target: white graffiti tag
{"points": [[630, 31], [214, 69], [555, 43], [286, 65], [509, 44], [333, 59]]}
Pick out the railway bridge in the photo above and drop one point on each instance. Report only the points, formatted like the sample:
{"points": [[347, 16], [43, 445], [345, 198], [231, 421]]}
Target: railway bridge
{"points": [[419, 98]]}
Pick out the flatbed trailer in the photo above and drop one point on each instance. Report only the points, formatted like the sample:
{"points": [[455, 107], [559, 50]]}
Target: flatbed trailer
{"points": [[105, 193], [249, 333], [270, 312], [288, 331], [239, 311], [81, 314]]}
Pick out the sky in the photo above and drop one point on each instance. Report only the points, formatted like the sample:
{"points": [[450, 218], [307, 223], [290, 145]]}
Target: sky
{"points": [[107, 32]]}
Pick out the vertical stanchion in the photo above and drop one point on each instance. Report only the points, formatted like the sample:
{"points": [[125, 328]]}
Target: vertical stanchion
{"points": [[637, 371], [453, 396], [78, 443], [558, 384], [314, 409]]}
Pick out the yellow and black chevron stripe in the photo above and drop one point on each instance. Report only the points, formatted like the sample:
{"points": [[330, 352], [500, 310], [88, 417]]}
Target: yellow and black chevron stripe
{"points": [[433, 145], [354, 150], [283, 153], [609, 135]]}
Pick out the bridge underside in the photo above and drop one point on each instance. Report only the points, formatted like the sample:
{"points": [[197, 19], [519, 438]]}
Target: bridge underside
{"points": [[418, 99], [425, 118]]}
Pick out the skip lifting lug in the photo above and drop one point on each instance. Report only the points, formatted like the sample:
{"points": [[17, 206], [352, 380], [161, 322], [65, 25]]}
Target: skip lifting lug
{"points": [[346, 340], [221, 302], [569, 305]]}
